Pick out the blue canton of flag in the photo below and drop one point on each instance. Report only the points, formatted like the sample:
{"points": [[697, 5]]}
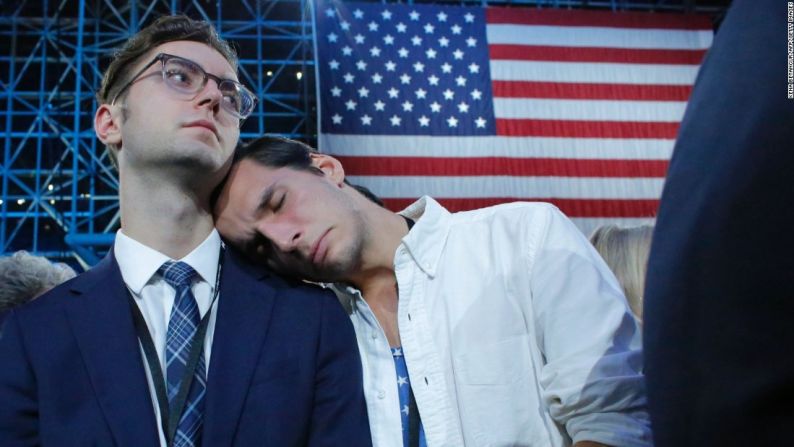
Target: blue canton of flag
{"points": [[393, 70]]}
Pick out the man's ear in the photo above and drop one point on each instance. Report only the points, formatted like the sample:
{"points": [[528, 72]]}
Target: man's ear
{"points": [[107, 125], [331, 167]]}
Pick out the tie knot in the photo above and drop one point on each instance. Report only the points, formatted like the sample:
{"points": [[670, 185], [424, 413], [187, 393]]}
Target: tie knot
{"points": [[177, 274]]}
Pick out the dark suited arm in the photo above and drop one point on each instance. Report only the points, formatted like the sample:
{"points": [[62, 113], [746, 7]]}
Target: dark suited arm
{"points": [[340, 411], [18, 404]]}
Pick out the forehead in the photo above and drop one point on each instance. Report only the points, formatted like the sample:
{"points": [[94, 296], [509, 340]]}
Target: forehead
{"points": [[209, 58]]}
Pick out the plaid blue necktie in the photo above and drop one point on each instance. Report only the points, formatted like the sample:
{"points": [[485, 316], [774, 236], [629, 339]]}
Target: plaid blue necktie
{"points": [[182, 328]]}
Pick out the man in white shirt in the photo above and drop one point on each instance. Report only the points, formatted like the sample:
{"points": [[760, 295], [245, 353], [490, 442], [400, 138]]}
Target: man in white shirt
{"points": [[172, 340], [502, 326]]}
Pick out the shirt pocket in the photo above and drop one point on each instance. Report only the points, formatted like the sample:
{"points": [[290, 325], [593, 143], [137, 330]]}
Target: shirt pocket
{"points": [[498, 396], [501, 363]]}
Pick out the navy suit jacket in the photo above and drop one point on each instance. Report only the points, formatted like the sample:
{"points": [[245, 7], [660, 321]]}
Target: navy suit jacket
{"points": [[719, 298], [284, 370]]}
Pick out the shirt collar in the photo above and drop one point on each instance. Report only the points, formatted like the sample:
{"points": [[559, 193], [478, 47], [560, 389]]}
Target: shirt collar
{"points": [[138, 263], [427, 238]]}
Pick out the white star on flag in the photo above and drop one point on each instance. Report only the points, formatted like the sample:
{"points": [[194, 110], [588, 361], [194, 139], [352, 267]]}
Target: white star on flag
{"points": [[366, 120], [452, 121], [395, 120]]}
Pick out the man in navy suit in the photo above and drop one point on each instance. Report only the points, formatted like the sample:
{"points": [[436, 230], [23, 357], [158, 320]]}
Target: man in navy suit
{"points": [[719, 313], [172, 339]]}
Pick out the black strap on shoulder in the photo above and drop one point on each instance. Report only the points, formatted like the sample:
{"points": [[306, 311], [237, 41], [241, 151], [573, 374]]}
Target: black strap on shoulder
{"points": [[413, 420]]}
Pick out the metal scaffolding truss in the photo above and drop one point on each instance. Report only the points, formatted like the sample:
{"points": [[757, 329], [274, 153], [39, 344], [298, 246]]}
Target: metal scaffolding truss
{"points": [[59, 189], [58, 195]]}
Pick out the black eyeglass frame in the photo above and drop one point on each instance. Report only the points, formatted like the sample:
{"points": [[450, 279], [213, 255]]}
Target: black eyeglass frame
{"points": [[165, 57]]}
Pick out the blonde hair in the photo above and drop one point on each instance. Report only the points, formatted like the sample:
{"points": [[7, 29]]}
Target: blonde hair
{"points": [[625, 251]]}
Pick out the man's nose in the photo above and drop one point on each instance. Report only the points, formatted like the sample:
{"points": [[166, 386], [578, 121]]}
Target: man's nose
{"points": [[284, 236]]}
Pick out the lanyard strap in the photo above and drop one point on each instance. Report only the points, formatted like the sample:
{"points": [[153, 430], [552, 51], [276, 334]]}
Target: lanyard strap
{"points": [[413, 419], [169, 417]]}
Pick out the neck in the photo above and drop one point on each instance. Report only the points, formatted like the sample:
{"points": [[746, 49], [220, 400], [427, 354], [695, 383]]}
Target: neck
{"points": [[167, 217], [376, 278]]}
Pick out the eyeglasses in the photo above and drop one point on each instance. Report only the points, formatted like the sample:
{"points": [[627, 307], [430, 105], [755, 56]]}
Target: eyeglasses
{"points": [[187, 79]]}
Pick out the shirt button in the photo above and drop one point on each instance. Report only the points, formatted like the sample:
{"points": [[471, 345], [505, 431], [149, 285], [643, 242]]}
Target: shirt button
{"points": [[374, 335], [381, 394]]}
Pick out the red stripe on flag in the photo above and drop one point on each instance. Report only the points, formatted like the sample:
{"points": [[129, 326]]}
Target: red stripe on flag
{"points": [[571, 207], [585, 129], [595, 54], [524, 167], [561, 17], [567, 90]]}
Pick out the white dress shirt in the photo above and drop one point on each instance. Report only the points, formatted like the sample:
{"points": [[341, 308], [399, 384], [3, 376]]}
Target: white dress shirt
{"points": [[155, 298], [514, 331]]}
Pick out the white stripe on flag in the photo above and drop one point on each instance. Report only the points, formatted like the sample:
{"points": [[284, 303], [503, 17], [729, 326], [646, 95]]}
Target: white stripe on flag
{"points": [[585, 72], [589, 110], [586, 36], [508, 186], [515, 147]]}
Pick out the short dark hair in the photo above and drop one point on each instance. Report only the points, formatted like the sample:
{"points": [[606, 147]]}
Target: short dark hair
{"points": [[164, 29], [279, 152]]}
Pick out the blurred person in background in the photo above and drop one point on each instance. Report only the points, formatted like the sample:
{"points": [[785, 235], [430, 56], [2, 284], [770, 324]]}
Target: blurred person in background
{"points": [[625, 250], [24, 276], [719, 313]]}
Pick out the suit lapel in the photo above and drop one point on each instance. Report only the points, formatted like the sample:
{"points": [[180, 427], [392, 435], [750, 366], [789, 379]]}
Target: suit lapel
{"points": [[244, 308], [102, 324]]}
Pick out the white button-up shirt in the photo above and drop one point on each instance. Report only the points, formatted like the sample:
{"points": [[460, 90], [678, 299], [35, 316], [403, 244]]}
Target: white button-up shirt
{"points": [[155, 298], [514, 331]]}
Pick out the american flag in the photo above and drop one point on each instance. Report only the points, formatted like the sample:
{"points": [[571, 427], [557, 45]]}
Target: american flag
{"points": [[478, 106]]}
